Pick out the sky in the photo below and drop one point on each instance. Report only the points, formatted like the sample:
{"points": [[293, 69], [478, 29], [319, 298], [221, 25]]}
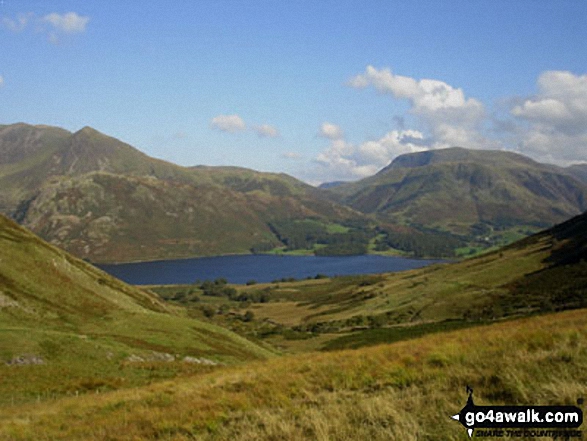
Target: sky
{"points": [[321, 90]]}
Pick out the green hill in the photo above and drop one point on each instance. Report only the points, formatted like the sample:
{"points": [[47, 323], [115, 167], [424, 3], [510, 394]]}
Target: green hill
{"points": [[64, 323], [86, 192], [474, 194]]}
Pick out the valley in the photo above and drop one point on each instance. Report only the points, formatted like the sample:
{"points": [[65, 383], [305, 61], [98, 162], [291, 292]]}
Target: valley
{"points": [[172, 357], [293, 221], [384, 356]]}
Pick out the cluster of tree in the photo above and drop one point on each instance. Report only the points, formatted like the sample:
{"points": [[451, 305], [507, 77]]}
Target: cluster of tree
{"points": [[217, 288], [210, 311], [420, 243], [344, 244], [297, 235], [262, 247]]}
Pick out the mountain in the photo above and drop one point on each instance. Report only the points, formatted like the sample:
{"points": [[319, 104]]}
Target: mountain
{"points": [[579, 171], [66, 325], [463, 191], [327, 185], [105, 201]]}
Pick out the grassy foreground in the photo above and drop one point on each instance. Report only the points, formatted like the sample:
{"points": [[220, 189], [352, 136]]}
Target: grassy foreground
{"points": [[402, 391], [68, 328]]}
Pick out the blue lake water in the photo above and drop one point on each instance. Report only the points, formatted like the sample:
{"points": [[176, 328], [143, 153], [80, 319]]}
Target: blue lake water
{"points": [[261, 268]]}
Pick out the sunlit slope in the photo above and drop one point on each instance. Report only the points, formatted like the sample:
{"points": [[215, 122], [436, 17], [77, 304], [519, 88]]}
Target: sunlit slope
{"points": [[86, 192], [455, 189], [78, 320], [404, 391]]}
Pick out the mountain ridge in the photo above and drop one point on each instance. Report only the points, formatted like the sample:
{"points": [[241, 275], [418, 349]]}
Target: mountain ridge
{"points": [[453, 189], [85, 191]]}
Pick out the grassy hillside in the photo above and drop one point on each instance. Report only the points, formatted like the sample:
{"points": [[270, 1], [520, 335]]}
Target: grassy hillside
{"points": [[85, 191], [66, 326], [404, 391], [474, 194]]}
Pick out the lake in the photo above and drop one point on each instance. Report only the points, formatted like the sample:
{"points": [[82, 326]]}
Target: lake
{"points": [[260, 268]]}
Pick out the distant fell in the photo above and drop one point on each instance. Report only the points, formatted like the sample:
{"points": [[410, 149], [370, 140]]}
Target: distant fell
{"points": [[579, 171], [459, 190], [106, 201]]}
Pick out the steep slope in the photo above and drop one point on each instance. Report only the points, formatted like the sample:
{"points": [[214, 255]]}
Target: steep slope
{"points": [[67, 316], [455, 189], [32, 155], [579, 171], [86, 192]]}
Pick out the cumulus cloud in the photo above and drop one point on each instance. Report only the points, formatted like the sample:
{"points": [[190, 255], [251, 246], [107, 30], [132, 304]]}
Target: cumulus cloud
{"points": [[1, 81], [343, 160], [550, 126], [557, 118], [451, 117], [448, 116], [69, 23], [266, 131], [330, 131], [228, 123]]}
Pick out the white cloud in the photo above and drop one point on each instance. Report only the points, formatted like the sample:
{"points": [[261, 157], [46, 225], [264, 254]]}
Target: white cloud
{"points": [[330, 131], [266, 131], [550, 126], [53, 25], [560, 104], [69, 23], [451, 118], [557, 118], [343, 160], [1, 81], [426, 95], [228, 123]]}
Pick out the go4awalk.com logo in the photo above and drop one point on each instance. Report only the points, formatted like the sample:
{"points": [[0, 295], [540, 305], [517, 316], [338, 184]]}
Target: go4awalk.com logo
{"points": [[520, 421]]}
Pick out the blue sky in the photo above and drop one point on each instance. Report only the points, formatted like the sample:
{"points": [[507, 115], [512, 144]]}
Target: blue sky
{"points": [[322, 90]]}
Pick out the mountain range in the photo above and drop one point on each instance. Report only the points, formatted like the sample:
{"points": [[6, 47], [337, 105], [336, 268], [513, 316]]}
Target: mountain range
{"points": [[105, 201]]}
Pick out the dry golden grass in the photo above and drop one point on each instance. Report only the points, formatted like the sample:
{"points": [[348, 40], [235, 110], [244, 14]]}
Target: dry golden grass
{"points": [[404, 391]]}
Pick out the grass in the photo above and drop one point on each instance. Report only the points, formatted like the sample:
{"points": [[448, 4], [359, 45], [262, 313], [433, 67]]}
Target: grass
{"points": [[402, 391], [85, 326], [372, 337]]}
